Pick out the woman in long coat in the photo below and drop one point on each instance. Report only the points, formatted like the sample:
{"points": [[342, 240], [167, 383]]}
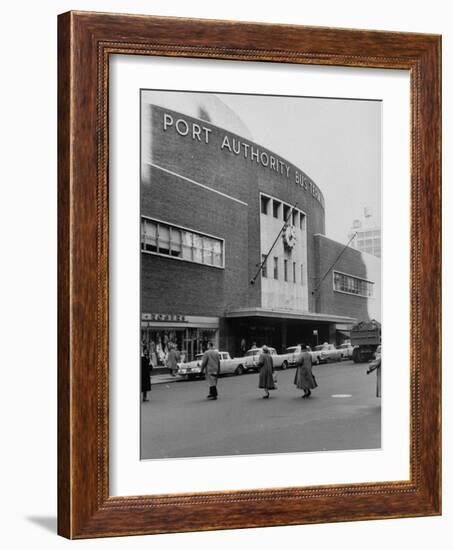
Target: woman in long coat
{"points": [[304, 379], [266, 364]]}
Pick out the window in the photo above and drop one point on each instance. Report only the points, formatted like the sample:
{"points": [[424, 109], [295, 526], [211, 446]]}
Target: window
{"points": [[301, 221], [301, 274], [295, 214], [208, 251], [165, 239], [264, 266], [352, 285], [294, 272], [187, 245], [197, 253], [265, 204], [286, 210], [149, 236], [275, 268], [285, 270], [218, 257], [276, 208], [175, 240], [163, 236]]}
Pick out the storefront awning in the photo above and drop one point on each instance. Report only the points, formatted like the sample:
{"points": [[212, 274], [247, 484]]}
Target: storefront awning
{"points": [[290, 315]]}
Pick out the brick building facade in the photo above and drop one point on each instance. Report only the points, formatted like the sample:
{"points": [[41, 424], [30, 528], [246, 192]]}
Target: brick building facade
{"points": [[212, 202]]}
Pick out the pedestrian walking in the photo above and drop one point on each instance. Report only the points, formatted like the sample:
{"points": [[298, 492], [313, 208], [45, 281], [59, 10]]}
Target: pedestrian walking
{"points": [[153, 354], [145, 376], [210, 364], [304, 379], [376, 366], [243, 346], [266, 380], [173, 359]]}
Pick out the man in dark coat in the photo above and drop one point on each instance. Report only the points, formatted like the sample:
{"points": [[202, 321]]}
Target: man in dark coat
{"points": [[304, 379], [210, 364], [145, 376]]}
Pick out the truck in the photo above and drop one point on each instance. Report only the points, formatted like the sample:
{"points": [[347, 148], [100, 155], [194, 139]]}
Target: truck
{"points": [[365, 338]]}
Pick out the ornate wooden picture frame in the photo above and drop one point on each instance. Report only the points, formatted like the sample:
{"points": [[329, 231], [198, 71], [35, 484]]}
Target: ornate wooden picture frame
{"points": [[85, 507]]}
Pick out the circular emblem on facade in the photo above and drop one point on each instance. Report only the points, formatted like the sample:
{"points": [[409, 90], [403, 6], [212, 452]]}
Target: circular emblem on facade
{"points": [[289, 237]]}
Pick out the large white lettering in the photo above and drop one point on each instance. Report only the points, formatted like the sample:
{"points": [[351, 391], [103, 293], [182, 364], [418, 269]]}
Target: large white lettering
{"points": [[184, 128], [234, 145]]}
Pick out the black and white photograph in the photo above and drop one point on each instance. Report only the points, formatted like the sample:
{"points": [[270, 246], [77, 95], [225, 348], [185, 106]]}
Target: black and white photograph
{"points": [[216, 217], [260, 283]]}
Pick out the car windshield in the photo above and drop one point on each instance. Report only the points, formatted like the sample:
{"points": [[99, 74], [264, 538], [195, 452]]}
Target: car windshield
{"points": [[292, 349], [252, 352], [319, 348]]}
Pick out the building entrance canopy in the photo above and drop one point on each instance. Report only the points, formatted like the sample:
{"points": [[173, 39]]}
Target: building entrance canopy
{"points": [[282, 328], [290, 314]]}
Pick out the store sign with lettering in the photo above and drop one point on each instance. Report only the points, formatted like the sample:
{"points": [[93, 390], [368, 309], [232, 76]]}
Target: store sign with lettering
{"points": [[164, 317]]}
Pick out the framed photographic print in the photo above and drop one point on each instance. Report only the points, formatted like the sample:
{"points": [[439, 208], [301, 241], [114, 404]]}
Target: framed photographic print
{"points": [[249, 220]]}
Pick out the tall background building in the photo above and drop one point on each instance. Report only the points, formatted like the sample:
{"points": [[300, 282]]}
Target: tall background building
{"points": [[367, 233]]}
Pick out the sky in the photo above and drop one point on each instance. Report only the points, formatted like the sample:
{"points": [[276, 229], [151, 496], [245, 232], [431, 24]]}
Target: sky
{"points": [[337, 142]]}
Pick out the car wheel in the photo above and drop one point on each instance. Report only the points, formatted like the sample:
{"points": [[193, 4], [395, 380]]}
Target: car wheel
{"points": [[239, 370], [284, 365]]}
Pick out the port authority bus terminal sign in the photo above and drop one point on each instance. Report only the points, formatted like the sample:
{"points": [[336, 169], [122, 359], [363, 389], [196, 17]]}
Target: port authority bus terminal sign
{"points": [[241, 148]]}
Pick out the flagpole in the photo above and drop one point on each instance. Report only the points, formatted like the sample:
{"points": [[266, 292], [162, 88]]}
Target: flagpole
{"points": [[252, 281]]}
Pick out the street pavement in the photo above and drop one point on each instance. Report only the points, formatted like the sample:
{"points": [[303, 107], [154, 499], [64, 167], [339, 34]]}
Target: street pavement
{"points": [[342, 414]]}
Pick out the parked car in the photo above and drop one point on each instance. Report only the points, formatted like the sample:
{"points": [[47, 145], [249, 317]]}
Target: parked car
{"points": [[291, 354], [294, 351], [252, 356], [193, 369], [229, 365], [280, 360], [346, 351], [324, 353]]}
